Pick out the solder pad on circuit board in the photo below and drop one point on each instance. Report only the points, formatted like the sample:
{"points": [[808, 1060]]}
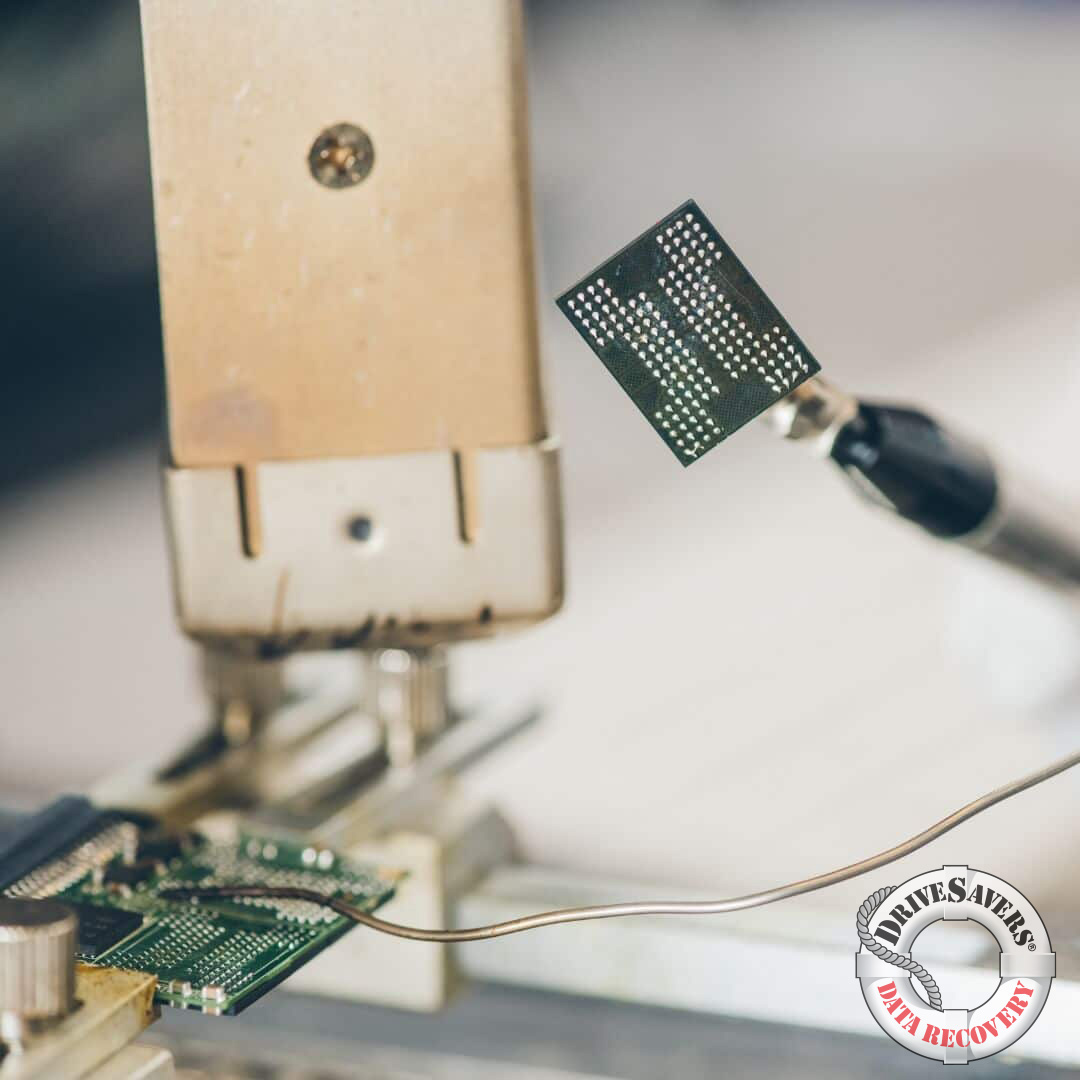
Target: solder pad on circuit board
{"points": [[688, 333], [219, 956]]}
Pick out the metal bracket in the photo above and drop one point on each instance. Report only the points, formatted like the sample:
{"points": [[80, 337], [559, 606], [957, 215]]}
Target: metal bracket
{"points": [[401, 550], [115, 1006]]}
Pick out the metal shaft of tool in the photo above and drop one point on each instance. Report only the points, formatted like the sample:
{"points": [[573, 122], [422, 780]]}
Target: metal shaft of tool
{"points": [[927, 474]]}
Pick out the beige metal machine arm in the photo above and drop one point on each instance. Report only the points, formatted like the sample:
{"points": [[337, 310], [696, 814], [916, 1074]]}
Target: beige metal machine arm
{"points": [[358, 448]]}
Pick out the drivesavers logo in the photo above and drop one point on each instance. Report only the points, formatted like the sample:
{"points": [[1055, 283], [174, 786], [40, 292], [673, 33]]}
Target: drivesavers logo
{"points": [[891, 919]]}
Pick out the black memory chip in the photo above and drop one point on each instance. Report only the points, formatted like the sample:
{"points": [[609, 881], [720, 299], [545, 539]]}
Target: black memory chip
{"points": [[688, 333], [101, 928]]}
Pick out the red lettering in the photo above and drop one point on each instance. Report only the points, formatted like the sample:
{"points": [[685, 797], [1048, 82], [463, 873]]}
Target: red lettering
{"points": [[930, 1035], [964, 1032], [901, 1015], [890, 987], [1027, 991], [947, 1037], [991, 1026], [1006, 1017], [912, 1026], [978, 1034]]}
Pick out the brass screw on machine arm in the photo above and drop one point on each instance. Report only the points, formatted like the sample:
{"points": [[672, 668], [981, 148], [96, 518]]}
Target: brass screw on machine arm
{"points": [[341, 156]]}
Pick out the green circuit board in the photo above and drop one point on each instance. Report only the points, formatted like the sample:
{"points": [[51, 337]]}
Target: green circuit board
{"points": [[217, 956]]}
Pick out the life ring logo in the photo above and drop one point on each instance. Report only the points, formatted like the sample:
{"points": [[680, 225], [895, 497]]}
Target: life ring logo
{"points": [[888, 923]]}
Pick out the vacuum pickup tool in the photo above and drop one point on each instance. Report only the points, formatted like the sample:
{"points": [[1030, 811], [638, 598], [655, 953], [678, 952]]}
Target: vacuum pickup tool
{"points": [[700, 349]]}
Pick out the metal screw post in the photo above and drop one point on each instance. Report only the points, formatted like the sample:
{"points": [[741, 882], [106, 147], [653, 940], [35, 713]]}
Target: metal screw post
{"points": [[406, 690], [37, 968], [243, 693]]}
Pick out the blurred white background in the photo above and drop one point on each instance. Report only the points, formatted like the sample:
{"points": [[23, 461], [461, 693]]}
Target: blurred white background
{"points": [[755, 677]]}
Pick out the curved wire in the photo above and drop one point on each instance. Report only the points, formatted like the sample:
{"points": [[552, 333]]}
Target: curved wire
{"points": [[646, 907]]}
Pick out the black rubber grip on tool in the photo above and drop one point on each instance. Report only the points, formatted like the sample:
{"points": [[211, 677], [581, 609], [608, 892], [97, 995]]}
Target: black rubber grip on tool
{"points": [[921, 470]]}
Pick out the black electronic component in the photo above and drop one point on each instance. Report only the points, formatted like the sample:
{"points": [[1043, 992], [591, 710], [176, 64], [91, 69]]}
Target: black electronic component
{"points": [[46, 834], [688, 333], [121, 873], [100, 928], [162, 846]]}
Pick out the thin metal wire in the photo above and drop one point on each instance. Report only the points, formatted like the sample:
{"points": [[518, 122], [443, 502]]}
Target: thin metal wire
{"points": [[647, 907]]}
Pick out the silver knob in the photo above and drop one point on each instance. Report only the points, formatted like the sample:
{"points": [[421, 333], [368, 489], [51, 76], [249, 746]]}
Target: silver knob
{"points": [[37, 965]]}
